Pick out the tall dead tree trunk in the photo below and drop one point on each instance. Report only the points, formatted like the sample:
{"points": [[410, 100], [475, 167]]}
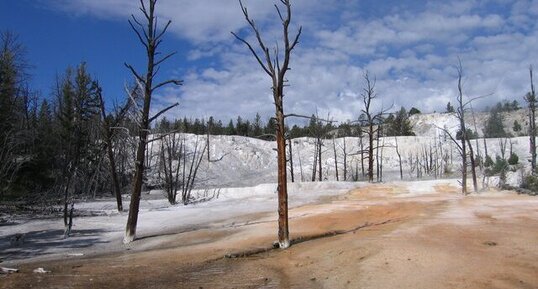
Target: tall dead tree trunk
{"points": [[300, 165], [461, 117], [380, 160], [315, 163], [530, 98], [361, 145], [110, 150], [372, 120], [399, 157], [277, 71], [473, 166], [335, 159], [320, 174], [291, 160], [377, 157], [462, 148], [151, 38], [345, 159], [207, 142]]}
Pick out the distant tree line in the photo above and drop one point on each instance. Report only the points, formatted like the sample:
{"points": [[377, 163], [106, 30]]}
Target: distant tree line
{"points": [[393, 124]]}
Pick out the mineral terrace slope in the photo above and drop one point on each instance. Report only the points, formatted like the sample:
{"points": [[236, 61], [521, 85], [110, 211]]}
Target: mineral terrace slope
{"points": [[430, 237]]}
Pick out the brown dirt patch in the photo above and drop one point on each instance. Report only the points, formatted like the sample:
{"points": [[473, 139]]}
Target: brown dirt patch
{"points": [[426, 244]]}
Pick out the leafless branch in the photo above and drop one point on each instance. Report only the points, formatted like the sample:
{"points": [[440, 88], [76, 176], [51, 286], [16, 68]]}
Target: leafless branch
{"points": [[163, 111], [253, 53], [136, 75], [158, 62], [163, 135], [170, 81], [309, 117]]}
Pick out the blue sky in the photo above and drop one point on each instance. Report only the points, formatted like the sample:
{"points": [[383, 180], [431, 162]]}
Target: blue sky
{"points": [[410, 46]]}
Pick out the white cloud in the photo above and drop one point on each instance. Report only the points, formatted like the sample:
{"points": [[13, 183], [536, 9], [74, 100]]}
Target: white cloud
{"points": [[199, 21], [411, 50]]}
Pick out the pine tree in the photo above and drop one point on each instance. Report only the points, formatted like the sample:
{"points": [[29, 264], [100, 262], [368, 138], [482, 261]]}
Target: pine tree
{"points": [[450, 108], [516, 127], [257, 129], [494, 126], [230, 129], [398, 125]]}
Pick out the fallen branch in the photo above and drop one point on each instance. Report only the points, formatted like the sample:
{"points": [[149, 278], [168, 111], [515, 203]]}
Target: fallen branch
{"points": [[4, 270]]}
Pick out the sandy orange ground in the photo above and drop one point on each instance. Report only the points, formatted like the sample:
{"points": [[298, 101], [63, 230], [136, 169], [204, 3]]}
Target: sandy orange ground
{"points": [[439, 240]]}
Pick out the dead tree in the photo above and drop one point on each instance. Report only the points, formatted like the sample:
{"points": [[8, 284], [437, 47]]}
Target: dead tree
{"points": [[108, 122], [377, 163], [473, 165], [276, 70], [462, 106], [361, 149], [345, 153], [290, 159], [320, 173], [335, 159], [189, 178], [380, 160], [300, 165], [530, 98], [150, 37], [171, 157], [399, 157], [207, 142], [460, 113], [371, 121], [315, 163]]}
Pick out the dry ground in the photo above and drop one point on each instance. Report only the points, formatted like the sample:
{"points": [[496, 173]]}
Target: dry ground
{"points": [[437, 240]]}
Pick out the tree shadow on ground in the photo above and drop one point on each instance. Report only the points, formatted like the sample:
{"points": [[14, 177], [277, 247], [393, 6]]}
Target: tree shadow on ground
{"points": [[44, 242]]}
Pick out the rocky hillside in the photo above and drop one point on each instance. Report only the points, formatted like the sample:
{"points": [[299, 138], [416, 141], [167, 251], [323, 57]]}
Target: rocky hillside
{"points": [[241, 161], [429, 124]]}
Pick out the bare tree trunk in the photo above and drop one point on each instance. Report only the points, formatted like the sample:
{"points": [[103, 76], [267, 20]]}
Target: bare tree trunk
{"points": [[195, 162], [371, 119], [381, 161], [371, 153], [362, 156], [277, 75], [283, 231], [132, 220], [473, 166], [356, 175], [463, 129], [485, 148], [377, 159], [110, 154], [291, 160], [320, 174], [399, 157], [530, 98], [300, 165], [345, 160], [151, 40], [335, 160], [315, 164], [207, 144], [418, 166]]}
